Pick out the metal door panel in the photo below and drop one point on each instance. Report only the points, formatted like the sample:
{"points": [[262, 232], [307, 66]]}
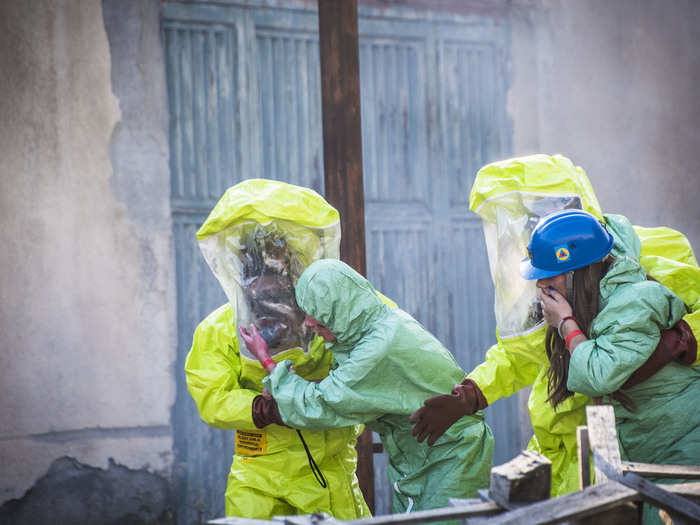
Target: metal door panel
{"points": [[290, 105], [207, 94], [473, 101]]}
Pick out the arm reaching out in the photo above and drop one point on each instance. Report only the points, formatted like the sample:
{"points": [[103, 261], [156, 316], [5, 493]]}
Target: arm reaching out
{"points": [[439, 413]]}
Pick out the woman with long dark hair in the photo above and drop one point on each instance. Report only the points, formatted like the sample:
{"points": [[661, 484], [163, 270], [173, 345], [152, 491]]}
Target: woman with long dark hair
{"points": [[605, 319], [511, 197]]}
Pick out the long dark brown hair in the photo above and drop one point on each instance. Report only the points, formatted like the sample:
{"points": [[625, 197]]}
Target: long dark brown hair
{"points": [[585, 293]]}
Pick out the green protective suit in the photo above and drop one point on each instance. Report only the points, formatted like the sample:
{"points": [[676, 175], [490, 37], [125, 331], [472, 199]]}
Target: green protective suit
{"points": [[387, 365], [511, 196], [665, 429], [270, 474]]}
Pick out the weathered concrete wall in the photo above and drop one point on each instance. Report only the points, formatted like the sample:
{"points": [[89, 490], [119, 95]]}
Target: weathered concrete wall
{"points": [[87, 316], [614, 86]]}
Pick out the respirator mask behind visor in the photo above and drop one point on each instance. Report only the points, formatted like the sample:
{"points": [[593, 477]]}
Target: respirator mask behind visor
{"points": [[267, 286], [509, 220], [258, 266]]}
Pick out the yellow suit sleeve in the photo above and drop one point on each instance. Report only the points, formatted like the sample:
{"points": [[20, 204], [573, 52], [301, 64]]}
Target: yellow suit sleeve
{"points": [[213, 372], [510, 365], [668, 257]]}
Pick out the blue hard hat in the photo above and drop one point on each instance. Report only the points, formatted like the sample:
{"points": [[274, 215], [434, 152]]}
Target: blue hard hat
{"points": [[565, 241]]}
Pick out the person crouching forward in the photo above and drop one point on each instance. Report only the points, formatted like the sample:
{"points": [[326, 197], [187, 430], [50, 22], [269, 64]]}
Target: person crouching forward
{"points": [[387, 364]]}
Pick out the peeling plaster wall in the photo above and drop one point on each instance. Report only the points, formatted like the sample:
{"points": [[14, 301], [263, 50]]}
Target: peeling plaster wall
{"points": [[75, 494], [614, 86], [87, 310]]}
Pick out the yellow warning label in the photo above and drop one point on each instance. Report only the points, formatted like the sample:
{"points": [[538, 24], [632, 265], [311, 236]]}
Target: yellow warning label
{"points": [[251, 443]]}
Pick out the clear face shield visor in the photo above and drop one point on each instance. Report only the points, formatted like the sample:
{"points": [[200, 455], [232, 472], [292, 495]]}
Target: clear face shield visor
{"points": [[508, 221], [258, 266]]}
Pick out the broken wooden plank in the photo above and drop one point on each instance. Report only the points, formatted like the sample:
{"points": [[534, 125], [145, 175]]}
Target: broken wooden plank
{"points": [[629, 512], [583, 455], [650, 492], [654, 470], [426, 516], [577, 505], [608, 465], [664, 499], [524, 479], [602, 436], [689, 490], [339, 52]]}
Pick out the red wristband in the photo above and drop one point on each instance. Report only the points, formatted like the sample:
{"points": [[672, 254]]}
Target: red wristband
{"points": [[268, 361], [571, 336]]}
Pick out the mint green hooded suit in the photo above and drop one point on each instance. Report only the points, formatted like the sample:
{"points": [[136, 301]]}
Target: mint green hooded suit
{"points": [[665, 428], [633, 311], [387, 364]]}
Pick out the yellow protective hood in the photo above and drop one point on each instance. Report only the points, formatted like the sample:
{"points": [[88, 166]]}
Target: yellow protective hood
{"points": [[309, 224], [511, 196], [535, 175], [258, 240], [261, 201]]}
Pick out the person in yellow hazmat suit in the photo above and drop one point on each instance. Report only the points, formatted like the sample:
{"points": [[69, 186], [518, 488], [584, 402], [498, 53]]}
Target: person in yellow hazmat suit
{"points": [[511, 196], [258, 240]]}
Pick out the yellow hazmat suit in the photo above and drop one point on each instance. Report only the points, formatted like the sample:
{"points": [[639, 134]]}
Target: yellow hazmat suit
{"points": [[270, 474], [511, 196]]}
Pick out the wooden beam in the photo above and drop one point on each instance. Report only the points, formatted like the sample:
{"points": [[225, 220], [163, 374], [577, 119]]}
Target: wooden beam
{"points": [[606, 502], [664, 499], [653, 470], [342, 126], [426, 516], [629, 513], [608, 465], [583, 455], [602, 435], [577, 505], [687, 490], [524, 479], [342, 158]]}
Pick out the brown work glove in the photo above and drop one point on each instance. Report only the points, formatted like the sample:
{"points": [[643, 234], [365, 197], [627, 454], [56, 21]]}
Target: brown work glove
{"points": [[439, 413], [676, 344], [265, 411]]}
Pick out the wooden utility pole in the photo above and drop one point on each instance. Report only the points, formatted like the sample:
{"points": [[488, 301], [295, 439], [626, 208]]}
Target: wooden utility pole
{"points": [[342, 157]]}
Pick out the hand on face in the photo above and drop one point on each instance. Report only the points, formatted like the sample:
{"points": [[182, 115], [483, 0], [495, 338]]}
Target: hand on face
{"points": [[554, 305], [255, 343]]}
